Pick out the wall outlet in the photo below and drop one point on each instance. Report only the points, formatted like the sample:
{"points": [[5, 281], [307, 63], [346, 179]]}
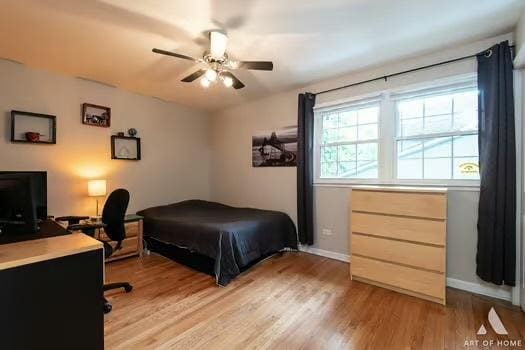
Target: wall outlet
{"points": [[327, 232]]}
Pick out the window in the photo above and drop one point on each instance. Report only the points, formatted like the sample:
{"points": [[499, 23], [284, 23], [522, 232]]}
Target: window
{"points": [[424, 135], [437, 136], [349, 143]]}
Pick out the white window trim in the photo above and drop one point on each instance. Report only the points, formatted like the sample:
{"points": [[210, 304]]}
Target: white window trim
{"points": [[387, 138]]}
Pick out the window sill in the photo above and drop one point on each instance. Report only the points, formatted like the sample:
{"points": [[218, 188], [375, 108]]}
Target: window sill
{"points": [[450, 187]]}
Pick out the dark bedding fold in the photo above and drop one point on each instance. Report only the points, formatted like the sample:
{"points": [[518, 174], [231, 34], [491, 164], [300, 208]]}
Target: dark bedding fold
{"points": [[233, 237]]}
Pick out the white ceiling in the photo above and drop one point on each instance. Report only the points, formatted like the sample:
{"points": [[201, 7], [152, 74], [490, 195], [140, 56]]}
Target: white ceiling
{"points": [[308, 40]]}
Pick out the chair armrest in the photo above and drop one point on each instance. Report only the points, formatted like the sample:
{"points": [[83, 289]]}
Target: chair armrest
{"points": [[71, 219], [88, 226]]}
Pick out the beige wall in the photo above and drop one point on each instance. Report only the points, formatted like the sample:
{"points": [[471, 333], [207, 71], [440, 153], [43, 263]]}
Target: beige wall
{"points": [[175, 152], [234, 181]]}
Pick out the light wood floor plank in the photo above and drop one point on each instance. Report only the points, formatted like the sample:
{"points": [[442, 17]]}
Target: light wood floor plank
{"points": [[290, 301]]}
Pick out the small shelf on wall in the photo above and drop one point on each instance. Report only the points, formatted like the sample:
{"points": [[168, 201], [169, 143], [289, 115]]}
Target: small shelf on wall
{"points": [[28, 127]]}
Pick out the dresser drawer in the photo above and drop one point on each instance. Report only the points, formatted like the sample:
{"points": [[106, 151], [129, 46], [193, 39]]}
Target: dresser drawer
{"points": [[409, 229], [412, 280], [130, 246], [411, 254], [426, 205]]}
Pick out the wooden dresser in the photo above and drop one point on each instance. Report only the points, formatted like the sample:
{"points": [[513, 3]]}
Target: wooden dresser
{"points": [[398, 239], [132, 245]]}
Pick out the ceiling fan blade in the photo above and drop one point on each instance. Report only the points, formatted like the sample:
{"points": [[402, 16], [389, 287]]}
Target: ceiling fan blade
{"points": [[256, 65], [194, 75], [173, 54], [237, 84]]}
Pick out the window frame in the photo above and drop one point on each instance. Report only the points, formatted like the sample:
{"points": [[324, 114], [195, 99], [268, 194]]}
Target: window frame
{"points": [[387, 133]]}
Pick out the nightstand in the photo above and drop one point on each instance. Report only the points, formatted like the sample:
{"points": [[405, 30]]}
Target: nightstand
{"points": [[132, 245]]}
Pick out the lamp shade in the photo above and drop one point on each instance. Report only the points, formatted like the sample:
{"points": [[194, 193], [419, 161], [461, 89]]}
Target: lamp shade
{"points": [[96, 188]]}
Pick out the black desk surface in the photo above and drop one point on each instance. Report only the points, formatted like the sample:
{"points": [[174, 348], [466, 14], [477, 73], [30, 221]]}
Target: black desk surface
{"points": [[48, 228]]}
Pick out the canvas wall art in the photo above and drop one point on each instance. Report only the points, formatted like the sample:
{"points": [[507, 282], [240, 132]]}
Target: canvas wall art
{"points": [[275, 148]]}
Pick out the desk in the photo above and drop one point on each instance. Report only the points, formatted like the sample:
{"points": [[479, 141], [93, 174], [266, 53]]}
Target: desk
{"points": [[51, 293], [48, 228]]}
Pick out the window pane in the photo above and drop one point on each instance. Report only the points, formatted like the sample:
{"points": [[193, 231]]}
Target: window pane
{"points": [[410, 149], [410, 169], [367, 132], [437, 168], [438, 148], [466, 110], [330, 135], [410, 109], [347, 118], [348, 134], [439, 123], [347, 153], [368, 115], [346, 169], [411, 127], [329, 154], [466, 146], [367, 151], [329, 169], [367, 169], [438, 105], [329, 121]]}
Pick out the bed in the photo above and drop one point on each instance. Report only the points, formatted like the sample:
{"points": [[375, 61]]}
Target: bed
{"points": [[231, 238]]}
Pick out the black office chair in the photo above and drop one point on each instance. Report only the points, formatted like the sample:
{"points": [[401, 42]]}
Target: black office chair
{"points": [[113, 224]]}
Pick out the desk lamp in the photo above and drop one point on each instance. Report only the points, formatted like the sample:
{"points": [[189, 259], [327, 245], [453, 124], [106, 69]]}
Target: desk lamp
{"points": [[97, 188]]}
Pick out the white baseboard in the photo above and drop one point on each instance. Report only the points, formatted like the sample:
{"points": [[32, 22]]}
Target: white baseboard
{"points": [[471, 287], [477, 288], [325, 253]]}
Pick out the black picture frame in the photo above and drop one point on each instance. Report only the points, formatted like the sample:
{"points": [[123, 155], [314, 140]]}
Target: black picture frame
{"points": [[115, 154], [21, 114], [101, 119]]}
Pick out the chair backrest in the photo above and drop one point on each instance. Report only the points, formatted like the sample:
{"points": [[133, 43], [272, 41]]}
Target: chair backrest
{"points": [[113, 214]]}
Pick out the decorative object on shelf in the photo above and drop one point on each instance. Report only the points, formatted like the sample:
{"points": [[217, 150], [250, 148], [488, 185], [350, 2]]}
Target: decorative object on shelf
{"points": [[132, 132], [27, 127], [97, 189], [120, 133], [96, 115], [125, 147], [275, 148]]}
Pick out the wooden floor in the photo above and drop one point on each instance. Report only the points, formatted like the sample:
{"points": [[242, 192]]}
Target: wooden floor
{"points": [[292, 301]]}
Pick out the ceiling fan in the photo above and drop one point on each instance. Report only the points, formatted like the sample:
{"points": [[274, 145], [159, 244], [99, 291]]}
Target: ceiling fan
{"points": [[217, 64]]}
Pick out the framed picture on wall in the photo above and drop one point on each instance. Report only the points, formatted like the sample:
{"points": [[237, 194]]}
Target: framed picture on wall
{"points": [[96, 115], [31, 127], [275, 148], [125, 147]]}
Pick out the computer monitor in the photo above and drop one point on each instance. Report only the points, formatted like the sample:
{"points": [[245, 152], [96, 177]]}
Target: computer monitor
{"points": [[23, 201]]}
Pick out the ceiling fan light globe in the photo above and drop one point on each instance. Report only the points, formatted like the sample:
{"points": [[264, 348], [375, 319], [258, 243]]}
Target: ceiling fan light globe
{"points": [[211, 74], [227, 81], [218, 42], [205, 82]]}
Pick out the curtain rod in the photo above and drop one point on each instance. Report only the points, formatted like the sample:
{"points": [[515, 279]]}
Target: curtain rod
{"points": [[487, 53]]}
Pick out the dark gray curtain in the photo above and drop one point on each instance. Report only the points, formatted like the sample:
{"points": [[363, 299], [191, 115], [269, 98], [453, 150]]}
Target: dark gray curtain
{"points": [[496, 256], [305, 168]]}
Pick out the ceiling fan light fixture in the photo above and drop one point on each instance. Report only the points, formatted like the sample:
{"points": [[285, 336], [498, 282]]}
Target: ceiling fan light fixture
{"points": [[211, 74], [218, 42], [205, 82], [227, 81]]}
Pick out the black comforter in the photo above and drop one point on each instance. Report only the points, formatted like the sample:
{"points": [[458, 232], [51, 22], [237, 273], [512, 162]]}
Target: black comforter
{"points": [[233, 237]]}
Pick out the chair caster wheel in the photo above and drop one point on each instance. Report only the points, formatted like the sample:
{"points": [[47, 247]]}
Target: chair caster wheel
{"points": [[128, 288], [107, 308]]}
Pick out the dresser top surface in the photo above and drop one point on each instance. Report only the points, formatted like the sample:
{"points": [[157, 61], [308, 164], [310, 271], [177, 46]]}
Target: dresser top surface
{"points": [[28, 252], [400, 189]]}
